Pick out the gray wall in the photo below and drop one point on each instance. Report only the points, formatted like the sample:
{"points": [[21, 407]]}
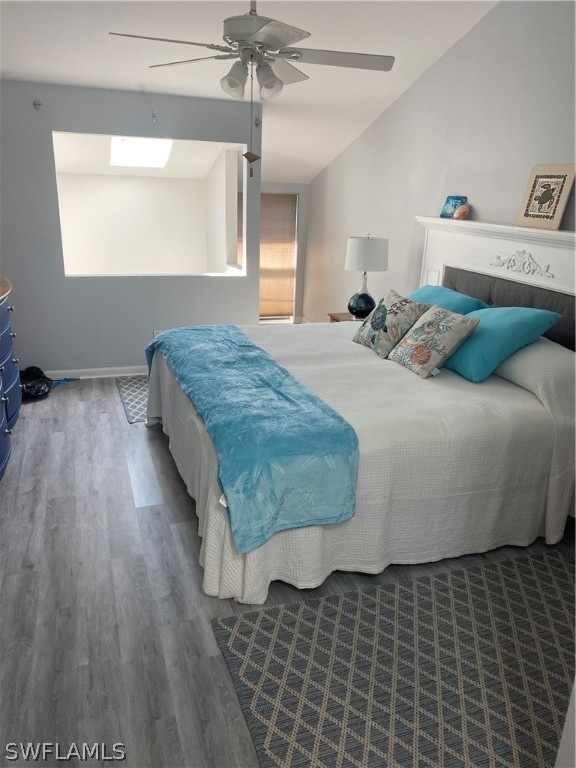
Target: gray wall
{"points": [[77, 323], [499, 102]]}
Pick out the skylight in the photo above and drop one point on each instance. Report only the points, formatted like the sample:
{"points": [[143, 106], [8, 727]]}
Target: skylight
{"points": [[138, 152]]}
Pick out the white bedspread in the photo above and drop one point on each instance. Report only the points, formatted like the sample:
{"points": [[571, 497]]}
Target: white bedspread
{"points": [[446, 467]]}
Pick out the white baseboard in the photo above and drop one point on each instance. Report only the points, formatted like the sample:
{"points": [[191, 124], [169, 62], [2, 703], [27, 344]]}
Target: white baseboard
{"points": [[100, 373]]}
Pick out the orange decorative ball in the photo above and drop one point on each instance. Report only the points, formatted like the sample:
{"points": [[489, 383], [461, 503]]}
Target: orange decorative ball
{"points": [[462, 212]]}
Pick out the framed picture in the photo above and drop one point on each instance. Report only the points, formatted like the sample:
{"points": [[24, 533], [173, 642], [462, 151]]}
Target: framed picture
{"points": [[452, 203], [546, 196]]}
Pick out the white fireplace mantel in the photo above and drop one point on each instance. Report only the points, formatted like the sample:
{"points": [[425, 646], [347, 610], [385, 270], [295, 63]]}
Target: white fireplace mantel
{"points": [[535, 256]]}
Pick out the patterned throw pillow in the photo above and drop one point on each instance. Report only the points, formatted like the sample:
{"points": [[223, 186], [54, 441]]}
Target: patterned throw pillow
{"points": [[432, 339], [391, 318]]}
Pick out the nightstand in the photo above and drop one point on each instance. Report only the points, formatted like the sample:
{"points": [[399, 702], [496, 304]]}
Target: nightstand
{"points": [[340, 317]]}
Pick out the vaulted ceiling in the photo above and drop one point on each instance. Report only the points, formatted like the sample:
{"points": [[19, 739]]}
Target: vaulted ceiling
{"points": [[305, 127]]}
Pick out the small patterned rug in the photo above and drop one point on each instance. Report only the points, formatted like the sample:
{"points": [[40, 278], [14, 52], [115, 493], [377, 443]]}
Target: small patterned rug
{"points": [[133, 392], [467, 668]]}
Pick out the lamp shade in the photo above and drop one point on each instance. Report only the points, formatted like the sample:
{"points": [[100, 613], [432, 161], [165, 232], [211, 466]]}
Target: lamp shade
{"points": [[367, 254]]}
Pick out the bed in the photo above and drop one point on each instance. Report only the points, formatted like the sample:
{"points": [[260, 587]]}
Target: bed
{"points": [[446, 467]]}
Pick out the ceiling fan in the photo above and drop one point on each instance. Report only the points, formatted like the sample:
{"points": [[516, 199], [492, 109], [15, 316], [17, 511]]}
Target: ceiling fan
{"points": [[267, 45]]}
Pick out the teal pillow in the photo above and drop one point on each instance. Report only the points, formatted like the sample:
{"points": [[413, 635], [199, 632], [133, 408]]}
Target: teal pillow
{"points": [[500, 332], [447, 299]]}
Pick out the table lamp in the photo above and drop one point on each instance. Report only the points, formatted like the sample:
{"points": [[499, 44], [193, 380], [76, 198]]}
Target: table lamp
{"points": [[365, 254]]}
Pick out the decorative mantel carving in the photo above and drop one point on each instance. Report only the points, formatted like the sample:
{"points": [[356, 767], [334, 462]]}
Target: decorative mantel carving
{"points": [[473, 245], [523, 262]]}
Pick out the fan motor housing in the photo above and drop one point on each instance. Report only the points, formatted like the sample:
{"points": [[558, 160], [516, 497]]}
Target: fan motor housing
{"points": [[238, 29]]}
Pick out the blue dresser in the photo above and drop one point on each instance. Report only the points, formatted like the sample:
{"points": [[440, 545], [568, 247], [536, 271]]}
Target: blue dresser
{"points": [[10, 392]]}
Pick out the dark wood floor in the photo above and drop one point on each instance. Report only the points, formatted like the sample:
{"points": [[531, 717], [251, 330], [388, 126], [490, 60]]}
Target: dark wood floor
{"points": [[105, 632]]}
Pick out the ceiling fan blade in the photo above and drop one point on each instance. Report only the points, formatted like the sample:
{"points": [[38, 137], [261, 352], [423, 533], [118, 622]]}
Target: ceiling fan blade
{"points": [[188, 61], [287, 73], [275, 34], [339, 58], [211, 46]]}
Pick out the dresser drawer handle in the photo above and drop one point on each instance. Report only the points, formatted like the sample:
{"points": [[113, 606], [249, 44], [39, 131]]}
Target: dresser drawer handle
{"points": [[12, 335], [2, 369], [7, 431], [10, 309], [5, 400], [15, 360]]}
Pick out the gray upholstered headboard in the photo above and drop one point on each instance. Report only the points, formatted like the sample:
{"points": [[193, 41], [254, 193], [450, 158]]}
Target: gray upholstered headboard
{"points": [[499, 292], [505, 266]]}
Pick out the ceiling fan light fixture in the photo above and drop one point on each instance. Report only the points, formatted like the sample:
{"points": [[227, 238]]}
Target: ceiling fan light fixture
{"points": [[270, 85], [258, 42], [234, 82]]}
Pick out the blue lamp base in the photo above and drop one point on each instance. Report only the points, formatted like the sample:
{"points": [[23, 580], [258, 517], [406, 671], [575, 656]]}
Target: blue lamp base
{"points": [[361, 304]]}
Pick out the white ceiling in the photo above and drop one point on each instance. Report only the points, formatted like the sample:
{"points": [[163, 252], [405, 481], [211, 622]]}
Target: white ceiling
{"points": [[305, 127], [89, 153]]}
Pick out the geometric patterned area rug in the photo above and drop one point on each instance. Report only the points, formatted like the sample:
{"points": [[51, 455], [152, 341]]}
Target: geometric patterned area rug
{"points": [[134, 395], [467, 668]]}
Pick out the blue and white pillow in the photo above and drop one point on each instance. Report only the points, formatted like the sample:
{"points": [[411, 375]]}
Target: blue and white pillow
{"points": [[390, 319], [432, 339]]}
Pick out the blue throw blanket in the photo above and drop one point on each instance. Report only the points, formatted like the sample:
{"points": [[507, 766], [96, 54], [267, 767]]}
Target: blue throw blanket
{"points": [[286, 459]]}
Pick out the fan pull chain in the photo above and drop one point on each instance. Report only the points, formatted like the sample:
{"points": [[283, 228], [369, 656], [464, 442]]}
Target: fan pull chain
{"points": [[251, 109], [250, 156]]}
